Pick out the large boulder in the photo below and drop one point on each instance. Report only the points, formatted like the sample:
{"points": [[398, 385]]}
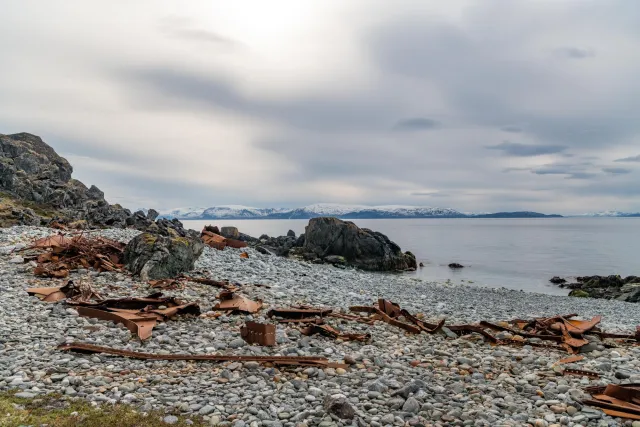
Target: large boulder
{"points": [[155, 256], [360, 247]]}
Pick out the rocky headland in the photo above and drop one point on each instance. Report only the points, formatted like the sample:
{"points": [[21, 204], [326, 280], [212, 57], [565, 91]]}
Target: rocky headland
{"points": [[607, 287]]}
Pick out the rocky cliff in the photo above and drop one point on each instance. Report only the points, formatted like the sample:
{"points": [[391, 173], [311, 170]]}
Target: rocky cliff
{"points": [[36, 187]]}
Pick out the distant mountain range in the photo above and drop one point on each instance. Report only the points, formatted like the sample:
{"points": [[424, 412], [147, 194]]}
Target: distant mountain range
{"points": [[611, 214], [336, 210]]}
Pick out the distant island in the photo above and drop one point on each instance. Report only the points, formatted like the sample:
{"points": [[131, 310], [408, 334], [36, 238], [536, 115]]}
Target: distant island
{"points": [[336, 210]]}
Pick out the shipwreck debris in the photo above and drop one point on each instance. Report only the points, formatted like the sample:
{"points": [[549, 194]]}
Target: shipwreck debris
{"points": [[299, 312], [259, 333], [581, 373], [616, 400], [216, 241], [231, 301], [275, 360]]}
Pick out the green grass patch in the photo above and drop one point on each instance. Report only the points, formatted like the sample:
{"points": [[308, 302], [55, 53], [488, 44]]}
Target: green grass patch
{"points": [[55, 411]]}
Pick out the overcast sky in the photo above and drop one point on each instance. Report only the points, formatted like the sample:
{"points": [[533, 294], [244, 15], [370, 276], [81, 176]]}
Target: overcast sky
{"points": [[479, 105]]}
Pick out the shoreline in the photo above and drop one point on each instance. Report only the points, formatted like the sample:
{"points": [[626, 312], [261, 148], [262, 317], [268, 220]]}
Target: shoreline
{"points": [[249, 395]]}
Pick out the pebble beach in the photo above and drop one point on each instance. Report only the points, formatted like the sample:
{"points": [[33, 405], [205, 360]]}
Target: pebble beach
{"points": [[396, 379]]}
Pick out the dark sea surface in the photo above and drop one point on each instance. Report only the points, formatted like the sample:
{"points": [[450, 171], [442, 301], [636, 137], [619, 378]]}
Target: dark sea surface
{"points": [[513, 253]]}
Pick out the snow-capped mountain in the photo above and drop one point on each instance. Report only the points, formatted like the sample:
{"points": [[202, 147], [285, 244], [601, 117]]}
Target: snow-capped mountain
{"points": [[611, 214], [331, 209]]}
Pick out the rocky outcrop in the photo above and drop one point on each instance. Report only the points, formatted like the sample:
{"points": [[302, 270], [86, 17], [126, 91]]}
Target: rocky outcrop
{"points": [[37, 186], [607, 287], [155, 256], [360, 247]]}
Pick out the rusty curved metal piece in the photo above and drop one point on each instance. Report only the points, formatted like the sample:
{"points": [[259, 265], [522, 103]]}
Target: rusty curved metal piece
{"points": [[391, 309], [137, 324], [52, 294], [230, 301], [276, 360], [525, 334], [426, 327], [380, 315]]}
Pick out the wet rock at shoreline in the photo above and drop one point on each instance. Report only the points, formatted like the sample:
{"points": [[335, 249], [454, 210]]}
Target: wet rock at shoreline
{"points": [[360, 247], [455, 265], [606, 287]]}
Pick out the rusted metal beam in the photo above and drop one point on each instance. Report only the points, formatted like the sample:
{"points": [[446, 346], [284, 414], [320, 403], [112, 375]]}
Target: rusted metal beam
{"points": [[581, 373], [276, 360], [298, 312], [429, 328]]}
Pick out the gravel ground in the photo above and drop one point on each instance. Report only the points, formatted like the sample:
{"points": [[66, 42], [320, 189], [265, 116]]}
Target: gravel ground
{"points": [[459, 381]]}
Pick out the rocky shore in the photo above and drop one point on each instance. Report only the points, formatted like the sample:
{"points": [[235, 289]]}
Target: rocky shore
{"points": [[395, 379], [607, 287]]}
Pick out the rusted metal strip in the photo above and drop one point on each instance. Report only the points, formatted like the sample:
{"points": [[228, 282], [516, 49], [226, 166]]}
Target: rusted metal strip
{"points": [[625, 393], [620, 414], [316, 320], [385, 318], [259, 333], [139, 325], [237, 244], [276, 360], [570, 359], [466, 329], [611, 406], [581, 373], [426, 327]]}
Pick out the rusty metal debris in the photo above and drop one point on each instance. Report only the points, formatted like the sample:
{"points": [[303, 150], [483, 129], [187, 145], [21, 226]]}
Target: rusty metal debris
{"points": [[621, 401], [231, 301], [163, 283], [139, 315], [380, 315], [80, 292], [581, 373], [389, 308], [259, 333], [216, 241], [63, 254], [244, 255], [275, 360]]}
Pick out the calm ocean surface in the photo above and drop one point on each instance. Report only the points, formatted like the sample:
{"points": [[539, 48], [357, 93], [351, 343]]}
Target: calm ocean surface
{"points": [[514, 253]]}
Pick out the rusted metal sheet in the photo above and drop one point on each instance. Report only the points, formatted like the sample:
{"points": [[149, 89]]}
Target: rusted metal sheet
{"points": [[380, 315], [259, 333], [581, 373], [328, 331], [237, 244], [191, 308], [467, 329], [214, 240], [230, 301], [139, 325], [244, 255], [224, 284], [298, 312], [52, 294], [276, 360]]}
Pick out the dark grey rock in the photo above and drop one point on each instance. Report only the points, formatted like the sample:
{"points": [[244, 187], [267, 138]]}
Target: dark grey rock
{"points": [[360, 247], [156, 256], [340, 407]]}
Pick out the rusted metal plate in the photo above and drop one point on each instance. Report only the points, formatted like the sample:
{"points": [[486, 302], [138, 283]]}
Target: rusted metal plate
{"points": [[298, 312], [244, 255], [621, 414], [230, 301], [276, 360], [214, 240], [259, 333], [47, 294], [141, 326]]}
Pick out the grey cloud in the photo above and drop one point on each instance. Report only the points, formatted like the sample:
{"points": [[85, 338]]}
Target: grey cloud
{"points": [[629, 159], [575, 52], [185, 28], [430, 194], [416, 124], [581, 175], [526, 150], [616, 170]]}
